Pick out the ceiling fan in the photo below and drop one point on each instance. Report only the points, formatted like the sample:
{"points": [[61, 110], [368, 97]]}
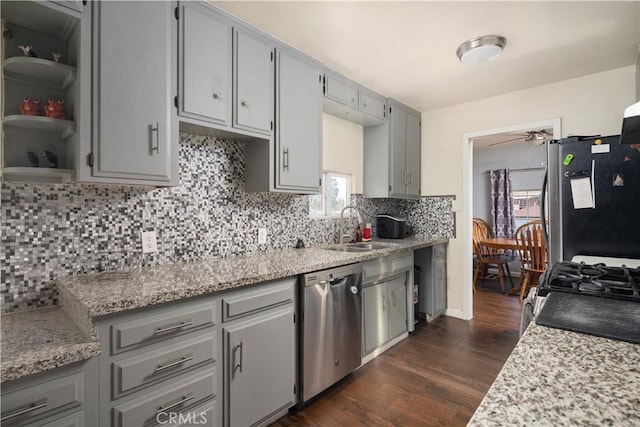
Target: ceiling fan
{"points": [[534, 137]]}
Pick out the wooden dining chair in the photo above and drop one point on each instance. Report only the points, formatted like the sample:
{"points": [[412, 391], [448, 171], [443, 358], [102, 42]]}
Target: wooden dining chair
{"points": [[486, 258], [533, 254]]}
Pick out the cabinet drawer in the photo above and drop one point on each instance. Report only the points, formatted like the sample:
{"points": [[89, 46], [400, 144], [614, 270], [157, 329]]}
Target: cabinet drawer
{"points": [[152, 366], [265, 297], [386, 267], [23, 405], [134, 333], [340, 90], [73, 420], [372, 104], [176, 398]]}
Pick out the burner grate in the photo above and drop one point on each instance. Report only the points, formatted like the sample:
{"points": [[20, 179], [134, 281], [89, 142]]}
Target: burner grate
{"points": [[597, 279]]}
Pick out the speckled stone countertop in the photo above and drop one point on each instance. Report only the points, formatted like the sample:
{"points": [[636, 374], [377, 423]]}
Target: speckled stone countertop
{"points": [[559, 378], [36, 340], [108, 293]]}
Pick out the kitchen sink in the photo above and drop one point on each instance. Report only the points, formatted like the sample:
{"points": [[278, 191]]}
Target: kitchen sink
{"points": [[361, 246]]}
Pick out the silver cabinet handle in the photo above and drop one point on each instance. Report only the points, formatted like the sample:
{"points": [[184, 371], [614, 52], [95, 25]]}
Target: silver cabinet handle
{"points": [[384, 303], [169, 406], [33, 407], [172, 328], [182, 360], [285, 158], [404, 177], [393, 298], [410, 177], [237, 366], [155, 130]]}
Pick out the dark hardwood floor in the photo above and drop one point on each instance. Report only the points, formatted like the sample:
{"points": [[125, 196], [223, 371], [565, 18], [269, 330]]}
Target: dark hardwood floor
{"points": [[437, 376]]}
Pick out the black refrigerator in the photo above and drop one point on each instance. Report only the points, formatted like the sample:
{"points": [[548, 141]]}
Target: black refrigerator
{"points": [[594, 191]]}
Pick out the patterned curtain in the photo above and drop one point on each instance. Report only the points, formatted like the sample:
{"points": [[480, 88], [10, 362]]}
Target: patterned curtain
{"points": [[504, 221]]}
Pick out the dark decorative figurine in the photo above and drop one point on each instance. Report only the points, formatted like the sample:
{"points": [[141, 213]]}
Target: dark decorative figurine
{"points": [[33, 159], [51, 157]]}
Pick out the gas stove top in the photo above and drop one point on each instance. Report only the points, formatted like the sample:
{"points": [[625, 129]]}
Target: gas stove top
{"points": [[592, 279]]}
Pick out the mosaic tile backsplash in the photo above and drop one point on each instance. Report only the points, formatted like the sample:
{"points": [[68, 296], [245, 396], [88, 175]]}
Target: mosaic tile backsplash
{"points": [[51, 230]]}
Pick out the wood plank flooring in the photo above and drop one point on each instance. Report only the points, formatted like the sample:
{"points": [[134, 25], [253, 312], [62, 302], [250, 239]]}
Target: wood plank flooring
{"points": [[437, 376]]}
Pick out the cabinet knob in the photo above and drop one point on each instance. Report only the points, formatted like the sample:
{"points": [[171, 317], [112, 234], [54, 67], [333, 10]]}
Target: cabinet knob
{"points": [[216, 96], [244, 103], [364, 104]]}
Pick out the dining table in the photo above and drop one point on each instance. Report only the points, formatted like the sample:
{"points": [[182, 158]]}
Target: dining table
{"points": [[506, 244]]}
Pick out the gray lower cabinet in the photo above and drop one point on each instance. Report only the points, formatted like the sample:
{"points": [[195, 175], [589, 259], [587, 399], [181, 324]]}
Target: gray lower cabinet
{"points": [[392, 155], [259, 353], [161, 363], [64, 396], [384, 312], [135, 137], [433, 290]]}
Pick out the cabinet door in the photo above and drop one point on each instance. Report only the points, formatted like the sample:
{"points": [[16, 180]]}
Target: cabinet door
{"points": [[372, 103], [413, 155], [397, 303], [134, 129], [341, 90], [259, 359], [298, 123], [398, 151], [205, 64], [374, 317], [253, 82], [440, 278]]}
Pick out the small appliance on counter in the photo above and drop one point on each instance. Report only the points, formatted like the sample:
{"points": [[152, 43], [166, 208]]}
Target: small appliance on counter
{"points": [[391, 227]]}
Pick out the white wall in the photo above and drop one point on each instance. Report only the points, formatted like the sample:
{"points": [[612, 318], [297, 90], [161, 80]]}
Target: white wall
{"points": [[342, 148], [592, 104]]}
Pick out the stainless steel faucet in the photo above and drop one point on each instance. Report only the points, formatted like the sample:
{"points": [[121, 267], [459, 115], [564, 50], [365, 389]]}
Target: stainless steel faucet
{"points": [[360, 221]]}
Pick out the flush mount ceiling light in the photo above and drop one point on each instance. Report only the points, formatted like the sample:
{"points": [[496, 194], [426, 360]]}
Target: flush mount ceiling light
{"points": [[481, 49]]}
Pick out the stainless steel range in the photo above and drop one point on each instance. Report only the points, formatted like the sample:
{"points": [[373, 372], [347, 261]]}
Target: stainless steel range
{"points": [[595, 299]]}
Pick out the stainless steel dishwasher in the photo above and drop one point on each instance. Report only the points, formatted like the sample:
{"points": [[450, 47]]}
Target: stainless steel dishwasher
{"points": [[331, 327]]}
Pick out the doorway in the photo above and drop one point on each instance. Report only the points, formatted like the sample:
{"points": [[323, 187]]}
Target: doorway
{"points": [[483, 140]]}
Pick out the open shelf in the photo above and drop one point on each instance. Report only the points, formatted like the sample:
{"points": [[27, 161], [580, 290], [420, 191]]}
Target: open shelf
{"points": [[50, 175], [55, 73], [64, 127]]}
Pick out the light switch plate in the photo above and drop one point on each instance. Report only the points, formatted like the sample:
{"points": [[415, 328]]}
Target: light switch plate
{"points": [[149, 243]]}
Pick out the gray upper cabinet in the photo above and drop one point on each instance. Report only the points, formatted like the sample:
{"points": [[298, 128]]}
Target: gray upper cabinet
{"points": [[392, 154], [253, 82], [205, 64], [134, 121], [341, 90], [298, 123], [351, 101]]}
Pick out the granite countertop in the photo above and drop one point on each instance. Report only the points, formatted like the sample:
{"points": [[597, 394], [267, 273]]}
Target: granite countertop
{"points": [[556, 377], [108, 293], [40, 339], [36, 340]]}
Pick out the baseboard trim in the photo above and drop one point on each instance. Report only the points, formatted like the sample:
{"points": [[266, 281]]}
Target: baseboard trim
{"points": [[458, 314]]}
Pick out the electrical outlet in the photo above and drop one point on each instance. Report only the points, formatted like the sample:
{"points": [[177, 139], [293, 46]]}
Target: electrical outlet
{"points": [[262, 236], [149, 243]]}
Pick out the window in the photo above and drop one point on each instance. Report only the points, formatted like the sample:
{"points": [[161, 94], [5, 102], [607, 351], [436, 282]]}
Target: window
{"points": [[335, 194], [526, 206]]}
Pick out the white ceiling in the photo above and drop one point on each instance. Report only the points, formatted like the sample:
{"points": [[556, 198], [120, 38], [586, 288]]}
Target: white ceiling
{"points": [[406, 50]]}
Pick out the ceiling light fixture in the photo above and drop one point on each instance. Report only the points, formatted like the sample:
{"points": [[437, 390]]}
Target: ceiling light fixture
{"points": [[536, 138], [481, 49]]}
